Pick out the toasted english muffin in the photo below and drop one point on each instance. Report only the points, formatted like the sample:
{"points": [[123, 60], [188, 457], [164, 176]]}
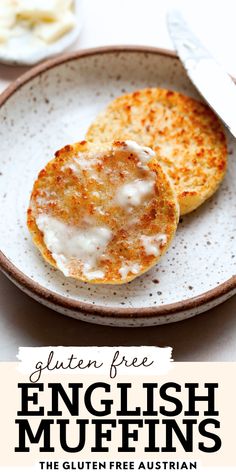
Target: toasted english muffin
{"points": [[186, 135], [103, 214]]}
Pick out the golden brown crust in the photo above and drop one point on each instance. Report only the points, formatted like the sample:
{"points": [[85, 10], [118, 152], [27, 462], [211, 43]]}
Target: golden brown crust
{"points": [[186, 135], [76, 196]]}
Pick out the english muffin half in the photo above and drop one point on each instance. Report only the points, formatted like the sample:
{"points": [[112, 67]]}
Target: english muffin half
{"points": [[186, 135], [103, 214]]}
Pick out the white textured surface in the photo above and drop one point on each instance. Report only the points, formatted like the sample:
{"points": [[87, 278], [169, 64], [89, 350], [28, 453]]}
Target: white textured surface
{"points": [[24, 322]]}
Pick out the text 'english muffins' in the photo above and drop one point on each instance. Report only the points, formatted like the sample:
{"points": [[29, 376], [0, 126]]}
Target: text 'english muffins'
{"points": [[103, 214], [186, 135]]}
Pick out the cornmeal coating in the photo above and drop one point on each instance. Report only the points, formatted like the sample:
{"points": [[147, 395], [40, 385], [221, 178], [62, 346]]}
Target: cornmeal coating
{"points": [[186, 135], [103, 214]]}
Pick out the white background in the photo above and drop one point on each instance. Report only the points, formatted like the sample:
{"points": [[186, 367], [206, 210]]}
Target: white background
{"points": [[208, 337]]}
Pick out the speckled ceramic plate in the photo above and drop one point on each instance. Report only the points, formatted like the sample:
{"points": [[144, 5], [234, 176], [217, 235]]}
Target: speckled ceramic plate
{"points": [[53, 105]]}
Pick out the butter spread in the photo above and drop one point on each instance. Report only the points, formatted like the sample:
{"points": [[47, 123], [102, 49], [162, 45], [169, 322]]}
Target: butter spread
{"points": [[127, 268], [134, 193], [68, 242], [152, 244], [81, 163], [143, 153]]}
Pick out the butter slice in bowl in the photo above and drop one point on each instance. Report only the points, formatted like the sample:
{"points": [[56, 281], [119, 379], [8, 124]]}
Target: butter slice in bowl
{"points": [[42, 10], [103, 214], [31, 31]]}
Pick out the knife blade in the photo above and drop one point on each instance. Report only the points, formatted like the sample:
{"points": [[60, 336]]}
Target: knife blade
{"points": [[214, 84]]}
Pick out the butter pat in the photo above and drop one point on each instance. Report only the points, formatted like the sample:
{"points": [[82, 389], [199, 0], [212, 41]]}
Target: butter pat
{"points": [[41, 10], [50, 32], [37, 23]]}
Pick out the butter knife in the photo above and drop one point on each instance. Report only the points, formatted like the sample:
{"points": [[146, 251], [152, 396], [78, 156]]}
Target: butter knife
{"points": [[214, 84]]}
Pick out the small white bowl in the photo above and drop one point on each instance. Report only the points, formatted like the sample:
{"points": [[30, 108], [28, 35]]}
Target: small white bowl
{"points": [[19, 52]]}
